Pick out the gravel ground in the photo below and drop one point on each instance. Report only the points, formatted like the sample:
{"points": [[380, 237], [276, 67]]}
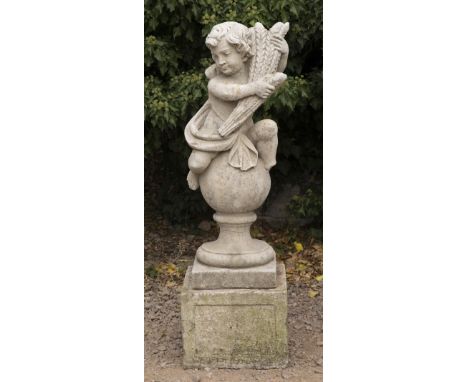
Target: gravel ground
{"points": [[163, 340]]}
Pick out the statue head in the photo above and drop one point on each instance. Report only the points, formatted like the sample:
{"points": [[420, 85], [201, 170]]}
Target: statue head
{"points": [[230, 46]]}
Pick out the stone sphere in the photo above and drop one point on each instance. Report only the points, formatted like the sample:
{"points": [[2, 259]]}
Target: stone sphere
{"points": [[230, 190]]}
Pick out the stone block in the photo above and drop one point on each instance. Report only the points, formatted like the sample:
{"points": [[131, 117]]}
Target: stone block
{"points": [[206, 277], [235, 328]]}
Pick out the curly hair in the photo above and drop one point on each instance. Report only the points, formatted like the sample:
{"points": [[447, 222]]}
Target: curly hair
{"points": [[236, 34]]}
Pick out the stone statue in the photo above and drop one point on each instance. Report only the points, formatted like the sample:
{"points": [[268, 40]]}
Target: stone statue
{"points": [[231, 155], [234, 297]]}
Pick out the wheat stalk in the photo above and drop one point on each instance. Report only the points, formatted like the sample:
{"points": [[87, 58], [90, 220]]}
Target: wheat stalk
{"points": [[263, 65]]}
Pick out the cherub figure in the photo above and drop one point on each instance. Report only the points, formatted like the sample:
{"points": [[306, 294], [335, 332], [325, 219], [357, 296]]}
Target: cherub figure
{"points": [[225, 120]]}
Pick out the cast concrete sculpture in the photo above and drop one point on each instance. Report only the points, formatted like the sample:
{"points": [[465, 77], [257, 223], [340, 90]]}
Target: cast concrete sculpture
{"points": [[230, 162], [231, 155]]}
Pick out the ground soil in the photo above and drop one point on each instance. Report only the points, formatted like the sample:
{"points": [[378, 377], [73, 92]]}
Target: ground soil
{"points": [[170, 250]]}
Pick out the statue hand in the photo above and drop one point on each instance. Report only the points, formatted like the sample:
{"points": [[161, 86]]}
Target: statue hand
{"points": [[280, 44], [263, 89]]}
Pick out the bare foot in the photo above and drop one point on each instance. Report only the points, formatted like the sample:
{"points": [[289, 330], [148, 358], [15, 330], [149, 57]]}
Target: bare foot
{"points": [[192, 180]]}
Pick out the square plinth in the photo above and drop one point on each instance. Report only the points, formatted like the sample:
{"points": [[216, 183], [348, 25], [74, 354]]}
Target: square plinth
{"points": [[235, 328], [206, 277]]}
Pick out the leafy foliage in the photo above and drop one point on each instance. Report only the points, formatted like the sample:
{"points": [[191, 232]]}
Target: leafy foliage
{"points": [[308, 205], [175, 88]]}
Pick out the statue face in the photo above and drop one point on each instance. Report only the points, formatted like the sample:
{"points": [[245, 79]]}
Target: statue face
{"points": [[228, 60]]}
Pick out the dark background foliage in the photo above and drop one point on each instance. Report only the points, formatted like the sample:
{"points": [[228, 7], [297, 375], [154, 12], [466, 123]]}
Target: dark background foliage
{"points": [[175, 88]]}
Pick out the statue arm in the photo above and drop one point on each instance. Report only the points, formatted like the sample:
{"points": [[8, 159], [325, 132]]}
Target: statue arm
{"points": [[210, 72], [283, 62], [281, 45], [235, 92], [230, 92]]}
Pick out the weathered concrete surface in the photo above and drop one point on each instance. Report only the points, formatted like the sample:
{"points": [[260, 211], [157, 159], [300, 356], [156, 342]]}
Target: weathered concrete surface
{"points": [[234, 247], [206, 277], [235, 328]]}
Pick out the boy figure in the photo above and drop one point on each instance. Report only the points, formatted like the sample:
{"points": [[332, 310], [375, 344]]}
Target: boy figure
{"points": [[231, 50]]}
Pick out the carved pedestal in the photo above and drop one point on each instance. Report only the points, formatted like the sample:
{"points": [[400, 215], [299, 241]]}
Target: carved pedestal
{"points": [[235, 328], [235, 248], [235, 259]]}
